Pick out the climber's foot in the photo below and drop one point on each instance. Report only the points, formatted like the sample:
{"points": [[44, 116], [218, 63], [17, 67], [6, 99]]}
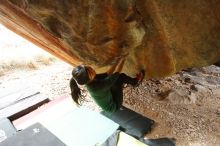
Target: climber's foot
{"points": [[140, 77]]}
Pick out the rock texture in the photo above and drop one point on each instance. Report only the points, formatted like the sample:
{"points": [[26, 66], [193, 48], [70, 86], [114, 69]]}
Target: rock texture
{"points": [[159, 36]]}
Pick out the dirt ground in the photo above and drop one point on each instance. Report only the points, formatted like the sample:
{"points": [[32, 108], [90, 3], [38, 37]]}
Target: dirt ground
{"points": [[185, 106]]}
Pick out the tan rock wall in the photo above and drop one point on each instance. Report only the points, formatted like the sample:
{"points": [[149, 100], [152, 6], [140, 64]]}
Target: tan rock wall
{"points": [[160, 36]]}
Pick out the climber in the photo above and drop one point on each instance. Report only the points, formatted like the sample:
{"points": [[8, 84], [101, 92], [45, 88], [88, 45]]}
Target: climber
{"points": [[105, 89]]}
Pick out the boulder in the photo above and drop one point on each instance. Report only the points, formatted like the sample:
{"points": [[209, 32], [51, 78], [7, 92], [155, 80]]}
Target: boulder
{"points": [[161, 37]]}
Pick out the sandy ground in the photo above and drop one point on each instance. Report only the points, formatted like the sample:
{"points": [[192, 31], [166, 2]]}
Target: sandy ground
{"points": [[185, 106]]}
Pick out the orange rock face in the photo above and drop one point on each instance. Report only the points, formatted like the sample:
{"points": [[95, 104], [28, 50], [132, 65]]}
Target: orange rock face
{"points": [[159, 36]]}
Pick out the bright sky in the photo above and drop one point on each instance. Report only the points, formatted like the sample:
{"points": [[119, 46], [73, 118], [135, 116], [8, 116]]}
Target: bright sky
{"points": [[13, 46]]}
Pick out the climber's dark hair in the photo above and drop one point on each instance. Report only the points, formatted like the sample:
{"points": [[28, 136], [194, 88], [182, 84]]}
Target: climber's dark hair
{"points": [[76, 92], [80, 76]]}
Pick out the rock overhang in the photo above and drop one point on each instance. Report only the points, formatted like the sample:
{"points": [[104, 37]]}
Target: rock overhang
{"points": [[161, 37]]}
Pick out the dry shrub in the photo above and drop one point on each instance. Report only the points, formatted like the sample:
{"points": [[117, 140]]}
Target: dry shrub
{"points": [[1, 72], [44, 59], [25, 63], [31, 65], [18, 64]]}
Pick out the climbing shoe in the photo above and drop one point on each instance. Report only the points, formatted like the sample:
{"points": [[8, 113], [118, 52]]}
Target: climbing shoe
{"points": [[140, 77]]}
